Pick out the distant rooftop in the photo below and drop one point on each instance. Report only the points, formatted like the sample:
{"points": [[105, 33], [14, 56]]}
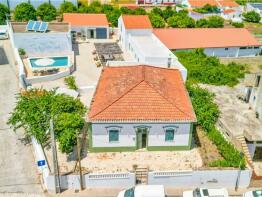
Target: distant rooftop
{"points": [[136, 22], [91, 20], [20, 27], [190, 38]]}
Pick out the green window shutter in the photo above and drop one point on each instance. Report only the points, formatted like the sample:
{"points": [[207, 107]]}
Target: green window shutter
{"points": [[169, 135], [113, 135]]}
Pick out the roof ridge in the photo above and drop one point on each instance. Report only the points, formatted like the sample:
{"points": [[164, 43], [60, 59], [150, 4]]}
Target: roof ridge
{"points": [[118, 98], [168, 100]]}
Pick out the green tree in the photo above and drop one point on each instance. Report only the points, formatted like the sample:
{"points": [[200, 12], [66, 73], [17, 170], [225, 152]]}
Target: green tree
{"points": [[112, 17], [168, 12], [106, 8], [95, 7], [35, 108], [157, 21], [252, 17], [24, 12], [156, 11], [3, 11], [125, 10], [67, 7], [181, 21], [46, 12], [140, 11], [202, 23], [215, 22]]}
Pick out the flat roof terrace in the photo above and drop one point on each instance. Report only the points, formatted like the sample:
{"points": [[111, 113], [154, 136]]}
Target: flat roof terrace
{"points": [[20, 27], [149, 46]]}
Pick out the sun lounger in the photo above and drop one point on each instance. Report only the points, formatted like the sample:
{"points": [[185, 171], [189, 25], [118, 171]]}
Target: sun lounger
{"points": [[30, 25]]}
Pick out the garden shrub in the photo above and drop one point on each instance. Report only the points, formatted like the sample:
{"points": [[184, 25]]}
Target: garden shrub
{"points": [[46, 11], [71, 82], [3, 11], [205, 69], [24, 12], [207, 113], [237, 25]]}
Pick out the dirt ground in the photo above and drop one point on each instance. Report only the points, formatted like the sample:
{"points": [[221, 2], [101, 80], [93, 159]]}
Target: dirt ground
{"points": [[124, 161], [207, 148]]}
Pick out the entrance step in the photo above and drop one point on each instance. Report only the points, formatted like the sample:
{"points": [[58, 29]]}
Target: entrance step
{"points": [[141, 175]]}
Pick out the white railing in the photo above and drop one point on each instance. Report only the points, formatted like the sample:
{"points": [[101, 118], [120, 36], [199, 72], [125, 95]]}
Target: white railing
{"points": [[172, 173], [109, 176]]}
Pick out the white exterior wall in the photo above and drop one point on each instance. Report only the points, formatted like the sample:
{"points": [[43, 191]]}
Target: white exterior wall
{"points": [[127, 134], [201, 178], [85, 28], [123, 33], [231, 52]]}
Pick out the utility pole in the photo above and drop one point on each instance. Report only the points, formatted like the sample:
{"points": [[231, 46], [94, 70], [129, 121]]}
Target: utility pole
{"points": [[55, 161], [79, 162]]}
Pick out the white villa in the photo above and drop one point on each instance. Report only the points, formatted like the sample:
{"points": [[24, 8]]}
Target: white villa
{"points": [[140, 107]]}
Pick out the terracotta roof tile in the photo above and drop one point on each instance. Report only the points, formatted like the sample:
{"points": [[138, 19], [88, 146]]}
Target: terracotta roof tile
{"points": [[201, 3], [227, 3], [190, 38], [92, 20], [134, 93], [136, 22], [229, 11]]}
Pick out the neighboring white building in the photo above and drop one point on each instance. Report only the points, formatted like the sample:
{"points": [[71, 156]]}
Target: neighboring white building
{"points": [[220, 42], [232, 14], [140, 107], [88, 25], [136, 36]]}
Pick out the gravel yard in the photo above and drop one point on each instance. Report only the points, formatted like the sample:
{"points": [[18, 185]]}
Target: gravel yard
{"points": [[124, 161]]}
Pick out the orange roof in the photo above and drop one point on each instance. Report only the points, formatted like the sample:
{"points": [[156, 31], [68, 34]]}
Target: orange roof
{"points": [[227, 3], [93, 20], [190, 38], [229, 11], [136, 22], [141, 93], [201, 3], [218, 3]]}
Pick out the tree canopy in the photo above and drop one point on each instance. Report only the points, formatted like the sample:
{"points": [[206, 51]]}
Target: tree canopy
{"points": [[252, 17], [35, 108], [181, 20], [67, 7], [157, 21], [24, 12], [3, 11], [46, 12], [215, 22], [205, 69]]}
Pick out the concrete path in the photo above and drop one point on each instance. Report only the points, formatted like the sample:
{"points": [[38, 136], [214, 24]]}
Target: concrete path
{"points": [[17, 166]]}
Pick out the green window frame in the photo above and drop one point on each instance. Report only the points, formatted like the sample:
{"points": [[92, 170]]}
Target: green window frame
{"points": [[113, 135], [169, 135]]}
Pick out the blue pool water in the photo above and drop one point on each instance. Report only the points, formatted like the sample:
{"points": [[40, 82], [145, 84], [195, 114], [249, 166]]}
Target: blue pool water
{"points": [[58, 62]]}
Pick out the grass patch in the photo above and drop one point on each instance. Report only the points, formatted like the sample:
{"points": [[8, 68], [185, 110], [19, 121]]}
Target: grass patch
{"points": [[260, 66], [205, 69]]}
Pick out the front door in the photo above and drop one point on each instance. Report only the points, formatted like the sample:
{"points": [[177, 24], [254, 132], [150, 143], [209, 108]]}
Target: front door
{"points": [[141, 138]]}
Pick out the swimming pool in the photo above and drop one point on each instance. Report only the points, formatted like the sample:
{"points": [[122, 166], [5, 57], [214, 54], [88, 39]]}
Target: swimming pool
{"points": [[49, 62]]}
